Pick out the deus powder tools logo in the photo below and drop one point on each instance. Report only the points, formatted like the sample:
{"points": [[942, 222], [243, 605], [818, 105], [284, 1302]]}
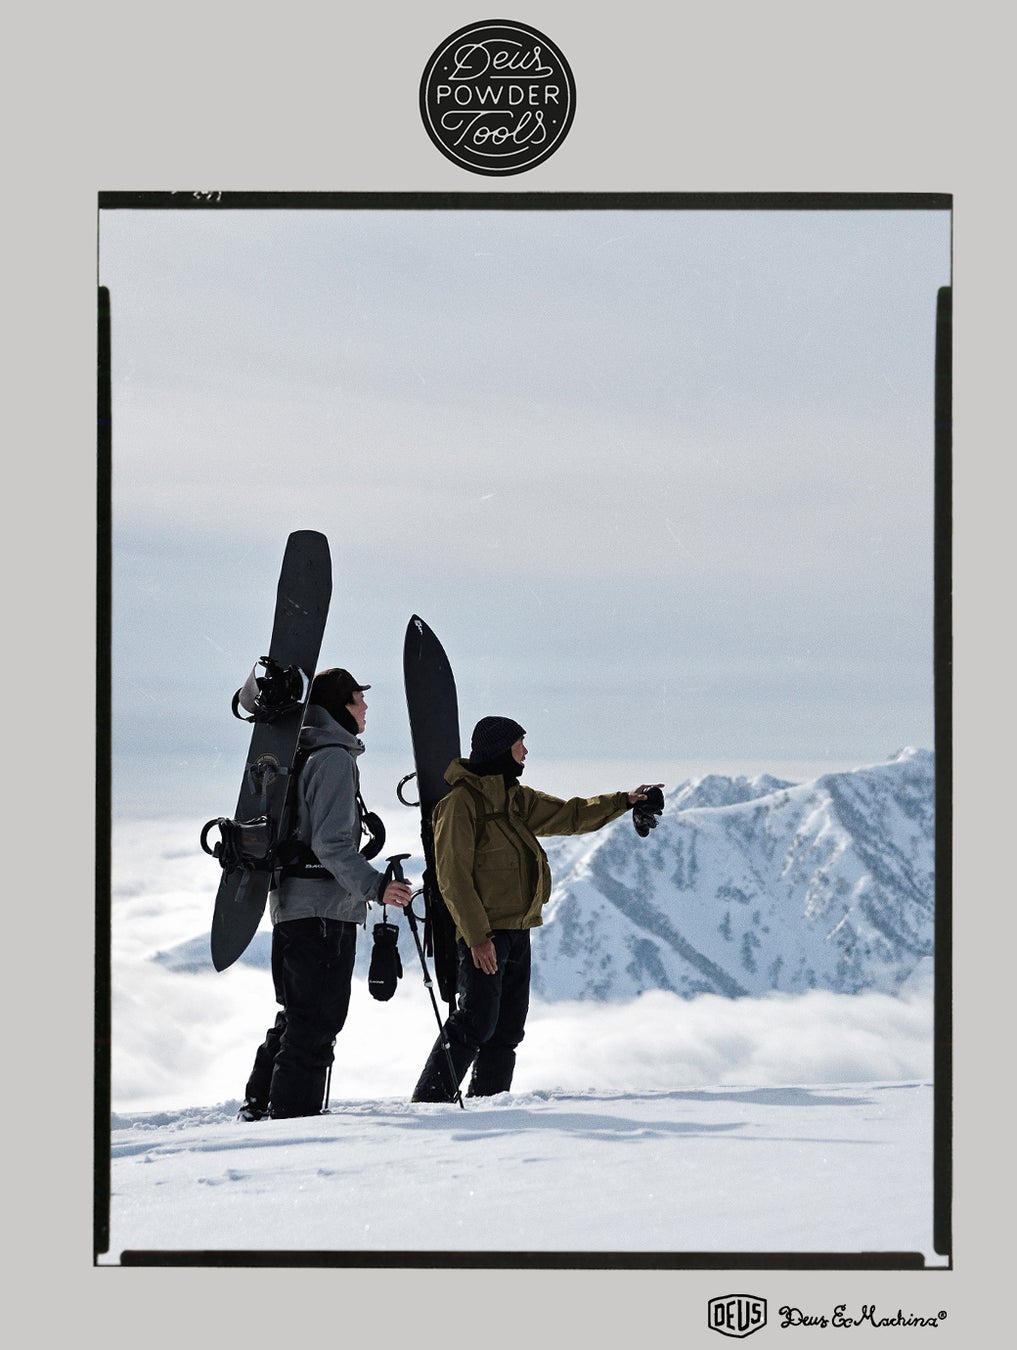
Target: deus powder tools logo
{"points": [[497, 97]]}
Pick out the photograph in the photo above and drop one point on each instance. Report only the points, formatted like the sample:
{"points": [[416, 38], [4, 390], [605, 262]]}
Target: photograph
{"points": [[588, 498]]}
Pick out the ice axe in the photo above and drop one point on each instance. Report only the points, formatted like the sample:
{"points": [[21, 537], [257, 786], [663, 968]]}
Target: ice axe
{"points": [[395, 866]]}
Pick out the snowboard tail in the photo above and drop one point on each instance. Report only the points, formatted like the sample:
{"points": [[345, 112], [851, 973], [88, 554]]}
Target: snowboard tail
{"points": [[433, 707], [275, 702]]}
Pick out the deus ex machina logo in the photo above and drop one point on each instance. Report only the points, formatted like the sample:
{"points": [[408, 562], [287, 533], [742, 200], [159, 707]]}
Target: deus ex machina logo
{"points": [[497, 97], [737, 1315]]}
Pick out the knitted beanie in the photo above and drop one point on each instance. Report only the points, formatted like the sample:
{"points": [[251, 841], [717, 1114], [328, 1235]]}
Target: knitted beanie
{"points": [[493, 736]]}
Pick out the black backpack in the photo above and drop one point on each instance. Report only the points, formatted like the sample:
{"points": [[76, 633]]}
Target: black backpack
{"points": [[294, 858]]}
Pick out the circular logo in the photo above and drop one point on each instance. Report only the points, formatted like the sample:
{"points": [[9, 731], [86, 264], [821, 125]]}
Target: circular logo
{"points": [[497, 97]]}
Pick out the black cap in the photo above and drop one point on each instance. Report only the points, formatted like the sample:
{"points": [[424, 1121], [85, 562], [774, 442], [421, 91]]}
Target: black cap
{"points": [[492, 736], [332, 690]]}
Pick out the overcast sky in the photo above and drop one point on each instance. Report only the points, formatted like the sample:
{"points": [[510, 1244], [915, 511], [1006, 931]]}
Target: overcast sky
{"points": [[660, 480]]}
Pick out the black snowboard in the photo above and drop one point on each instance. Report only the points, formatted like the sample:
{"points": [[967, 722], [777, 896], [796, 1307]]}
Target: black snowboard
{"points": [[433, 708], [276, 701]]}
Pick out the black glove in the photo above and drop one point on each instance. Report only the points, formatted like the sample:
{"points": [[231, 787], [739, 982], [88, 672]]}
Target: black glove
{"points": [[386, 968], [645, 813]]}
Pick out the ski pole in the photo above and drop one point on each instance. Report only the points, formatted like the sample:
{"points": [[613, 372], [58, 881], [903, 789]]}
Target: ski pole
{"points": [[395, 862]]}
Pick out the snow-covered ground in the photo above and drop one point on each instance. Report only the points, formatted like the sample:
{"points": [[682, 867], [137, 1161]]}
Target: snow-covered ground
{"points": [[842, 1168]]}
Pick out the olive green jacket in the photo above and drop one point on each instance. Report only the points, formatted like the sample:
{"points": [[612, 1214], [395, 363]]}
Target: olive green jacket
{"points": [[491, 871]]}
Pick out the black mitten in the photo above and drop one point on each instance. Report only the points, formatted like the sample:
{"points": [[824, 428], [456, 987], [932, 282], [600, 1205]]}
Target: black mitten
{"points": [[645, 813], [386, 967]]}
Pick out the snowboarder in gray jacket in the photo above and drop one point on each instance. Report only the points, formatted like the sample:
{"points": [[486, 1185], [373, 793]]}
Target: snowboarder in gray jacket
{"points": [[319, 899]]}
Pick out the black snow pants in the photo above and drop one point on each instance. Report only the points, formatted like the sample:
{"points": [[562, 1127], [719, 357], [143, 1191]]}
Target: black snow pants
{"points": [[312, 969], [487, 1025]]}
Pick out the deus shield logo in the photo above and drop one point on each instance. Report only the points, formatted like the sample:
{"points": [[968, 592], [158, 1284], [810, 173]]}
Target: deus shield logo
{"points": [[737, 1314], [497, 97]]}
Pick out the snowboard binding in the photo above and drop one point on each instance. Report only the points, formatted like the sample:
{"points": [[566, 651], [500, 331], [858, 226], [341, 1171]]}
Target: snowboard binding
{"points": [[245, 845], [266, 697]]}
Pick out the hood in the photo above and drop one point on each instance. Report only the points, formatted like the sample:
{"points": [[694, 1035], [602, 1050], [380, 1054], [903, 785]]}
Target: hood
{"points": [[491, 786], [320, 728]]}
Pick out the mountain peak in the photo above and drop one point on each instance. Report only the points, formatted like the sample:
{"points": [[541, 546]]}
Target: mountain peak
{"points": [[752, 886]]}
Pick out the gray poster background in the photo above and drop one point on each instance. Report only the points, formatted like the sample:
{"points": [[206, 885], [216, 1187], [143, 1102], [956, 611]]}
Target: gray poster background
{"points": [[882, 98]]}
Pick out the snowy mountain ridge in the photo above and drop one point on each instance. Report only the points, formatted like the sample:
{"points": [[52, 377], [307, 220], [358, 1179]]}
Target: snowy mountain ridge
{"points": [[745, 887], [748, 887]]}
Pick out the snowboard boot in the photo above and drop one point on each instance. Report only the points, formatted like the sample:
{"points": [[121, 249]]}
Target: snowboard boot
{"points": [[492, 1071], [434, 1083]]}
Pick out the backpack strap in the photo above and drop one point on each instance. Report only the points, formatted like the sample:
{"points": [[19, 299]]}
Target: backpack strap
{"points": [[484, 812], [294, 858]]}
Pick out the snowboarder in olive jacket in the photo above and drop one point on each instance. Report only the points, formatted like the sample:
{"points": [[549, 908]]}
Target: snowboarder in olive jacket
{"points": [[494, 877]]}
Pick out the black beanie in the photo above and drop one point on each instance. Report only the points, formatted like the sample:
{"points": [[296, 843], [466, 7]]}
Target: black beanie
{"points": [[492, 737], [333, 690]]}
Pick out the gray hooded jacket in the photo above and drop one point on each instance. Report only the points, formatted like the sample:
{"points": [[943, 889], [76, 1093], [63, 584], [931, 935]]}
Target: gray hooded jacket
{"points": [[328, 820]]}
